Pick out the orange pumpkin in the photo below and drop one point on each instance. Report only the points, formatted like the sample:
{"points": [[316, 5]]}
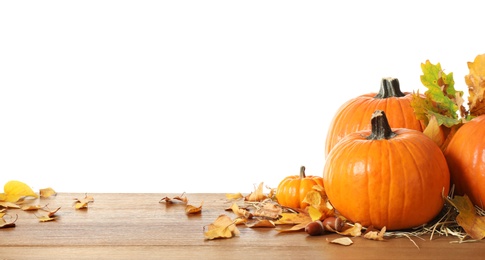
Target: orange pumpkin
{"points": [[354, 115], [465, 154], [386, 177], [292, 190]]}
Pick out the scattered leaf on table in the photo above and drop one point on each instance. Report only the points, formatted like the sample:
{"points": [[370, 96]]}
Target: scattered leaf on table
{"points": [[189, 209], [47, 192], [182, 198], [45, 218], [354, 230], [261, 223], [234, 196], [83, 203], [31, 207], [345, 241], [257, 194], [15, 190], [476, 85], [468, 219], [268, 210], [7, 204], [51, 213], [375, 234], [241, 212], [222, 227], [5, 224], [297, 227], [292, 218]]}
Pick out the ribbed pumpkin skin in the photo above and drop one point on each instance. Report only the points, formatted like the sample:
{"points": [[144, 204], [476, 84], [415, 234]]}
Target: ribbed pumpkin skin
{"points": [[397, 182], [292, 190], [466, 160], [354, 116]]}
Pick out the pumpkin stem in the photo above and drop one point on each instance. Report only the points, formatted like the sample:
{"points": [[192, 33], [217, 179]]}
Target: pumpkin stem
{"points": [[302, 172], [380, 127], [389, 88]]}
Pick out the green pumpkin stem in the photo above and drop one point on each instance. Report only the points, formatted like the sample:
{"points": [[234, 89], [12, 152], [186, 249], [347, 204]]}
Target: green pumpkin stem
{"points": [[389, 88], [380, 127], [302, 172]]}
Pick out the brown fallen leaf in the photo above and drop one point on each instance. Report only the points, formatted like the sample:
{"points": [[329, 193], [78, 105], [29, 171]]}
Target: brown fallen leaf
{"points": [[83, 203], [375, 234], [182, 198], [354, 230], [222, 227], [268, 210], [345, 241], [257, 194], [5, 224], [234, 196], [189, 209], [261, 223], [468, 219]]}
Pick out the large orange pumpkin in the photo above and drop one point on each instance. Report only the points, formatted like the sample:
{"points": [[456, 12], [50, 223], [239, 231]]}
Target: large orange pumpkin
{"points": [[292, 190], [466, 160], [386, 177], [354, 115]]}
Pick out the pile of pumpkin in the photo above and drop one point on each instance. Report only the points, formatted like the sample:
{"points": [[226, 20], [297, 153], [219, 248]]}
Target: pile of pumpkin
{"points": [[387, 166]]}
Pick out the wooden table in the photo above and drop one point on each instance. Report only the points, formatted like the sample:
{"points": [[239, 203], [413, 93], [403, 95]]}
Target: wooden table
{"points": [[137, 226]]}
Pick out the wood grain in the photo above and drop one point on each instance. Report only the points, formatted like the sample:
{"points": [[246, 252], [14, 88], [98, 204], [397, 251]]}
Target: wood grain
{"points": [[137, 226]]}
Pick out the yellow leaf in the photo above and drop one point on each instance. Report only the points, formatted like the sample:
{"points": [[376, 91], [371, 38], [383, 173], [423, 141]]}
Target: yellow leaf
{"points": [[261, 223], [314, 213], [374, 234], [354, 231], [476, 85], [15, 190], [234, 196], [293, 218], [222, 227], [83, 203], [297, 227], [45, 218], [468, 219], [5, 224], [345, 241], [257, 195], [47, 192], [189, 209], [241, 212], [31, 207], [9, 205]]}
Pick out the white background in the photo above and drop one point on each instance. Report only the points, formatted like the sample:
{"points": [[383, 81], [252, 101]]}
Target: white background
{"points": [[202, 96]]}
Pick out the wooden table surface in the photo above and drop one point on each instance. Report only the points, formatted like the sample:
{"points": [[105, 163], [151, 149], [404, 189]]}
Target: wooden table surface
{"points": [[137, 226]]}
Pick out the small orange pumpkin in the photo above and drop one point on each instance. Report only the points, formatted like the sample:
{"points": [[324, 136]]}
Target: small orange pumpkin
{"points": [[354, 115], [292, 190], [465, 154], [386, 177]]}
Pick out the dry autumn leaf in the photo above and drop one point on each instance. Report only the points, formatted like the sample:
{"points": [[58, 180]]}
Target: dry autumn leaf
{"points": [[5, 224], [375, 234], [222, 227], [182, 198], [83, 203], [345, 241], [476, 85], [234, 196], [15, 190], [257, 194], [297, 227], [354, 230], [268, 210], [292, 219], [7, 204], [241, 212], [47, 192], [468, 219], [189, 209], [31, 207], [261, 223]]}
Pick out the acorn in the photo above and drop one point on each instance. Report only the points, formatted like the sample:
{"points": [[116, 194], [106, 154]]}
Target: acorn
{"points": [[315, 228], [333, 224]]}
